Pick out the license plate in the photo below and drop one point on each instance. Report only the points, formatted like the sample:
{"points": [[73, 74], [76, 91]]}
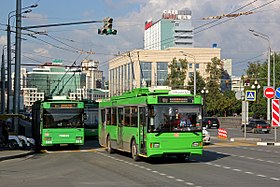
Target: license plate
{"points": [[264, 129], [214, 124]]}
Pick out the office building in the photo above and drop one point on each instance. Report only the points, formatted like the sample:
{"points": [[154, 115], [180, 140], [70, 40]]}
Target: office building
{"points": [[174, 29], [125, 72]]}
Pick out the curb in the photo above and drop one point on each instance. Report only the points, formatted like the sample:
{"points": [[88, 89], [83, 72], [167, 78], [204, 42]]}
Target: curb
{"points": [[253, 140], [8, 157], [269, 143]]}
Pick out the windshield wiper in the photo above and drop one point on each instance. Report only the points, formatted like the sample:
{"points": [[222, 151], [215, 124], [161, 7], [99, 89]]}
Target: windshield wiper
{"points": [[160, 131]]}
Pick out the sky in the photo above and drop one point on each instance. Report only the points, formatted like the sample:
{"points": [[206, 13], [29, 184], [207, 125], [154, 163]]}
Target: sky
{"points": [[63, 42]]}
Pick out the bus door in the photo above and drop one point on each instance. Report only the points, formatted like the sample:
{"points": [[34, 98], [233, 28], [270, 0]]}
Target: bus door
{"points": [[142, 129], [120, 125], [102, 127]]}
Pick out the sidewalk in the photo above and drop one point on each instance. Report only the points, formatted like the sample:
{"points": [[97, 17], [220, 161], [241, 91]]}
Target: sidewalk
{"points": [[11, 154]]}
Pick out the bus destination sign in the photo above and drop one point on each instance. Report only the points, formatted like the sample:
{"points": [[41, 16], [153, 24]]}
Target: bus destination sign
{"points": [[63, 105], [165, 99]]}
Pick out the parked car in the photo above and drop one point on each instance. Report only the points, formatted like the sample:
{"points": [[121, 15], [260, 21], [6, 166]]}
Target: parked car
{"points": [[257, 126], [210, 122], [206, 136]]}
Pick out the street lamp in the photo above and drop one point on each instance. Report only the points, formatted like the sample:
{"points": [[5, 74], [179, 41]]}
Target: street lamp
{"points": [[204, 91], [9, 72], [265, 37], [194, 73]]}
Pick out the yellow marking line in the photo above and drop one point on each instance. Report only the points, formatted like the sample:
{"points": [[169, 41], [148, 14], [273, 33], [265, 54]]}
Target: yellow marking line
{"points": [[226, 144]]}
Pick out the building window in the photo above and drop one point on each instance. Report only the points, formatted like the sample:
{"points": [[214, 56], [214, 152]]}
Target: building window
{"points": [[197, 66], [190, 74], [146, 68], [190, 65], [162, 73]]}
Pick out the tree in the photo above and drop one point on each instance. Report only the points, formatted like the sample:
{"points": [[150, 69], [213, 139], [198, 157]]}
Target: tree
{"points": [[178, 69], [214, 97], [200, 83]]}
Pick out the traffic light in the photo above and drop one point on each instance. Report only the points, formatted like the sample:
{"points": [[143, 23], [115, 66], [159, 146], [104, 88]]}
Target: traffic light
{"points": [[107, 27]]}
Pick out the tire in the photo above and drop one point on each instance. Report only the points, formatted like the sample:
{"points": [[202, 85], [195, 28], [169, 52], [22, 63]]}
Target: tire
{"points": [[12, 144], [134, 151], [109, 146]]}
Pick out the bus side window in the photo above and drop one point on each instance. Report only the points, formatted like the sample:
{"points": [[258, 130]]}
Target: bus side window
{"points": [[103, 116], [134, 116], [108, 116], [126, 116], [114, 116]]}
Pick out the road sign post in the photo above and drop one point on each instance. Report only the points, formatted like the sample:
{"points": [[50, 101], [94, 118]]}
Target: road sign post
{"points": [[275, 116]]}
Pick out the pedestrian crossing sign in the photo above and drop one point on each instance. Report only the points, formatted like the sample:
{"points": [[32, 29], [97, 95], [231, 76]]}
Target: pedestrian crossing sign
{"points": [[250, 95]]}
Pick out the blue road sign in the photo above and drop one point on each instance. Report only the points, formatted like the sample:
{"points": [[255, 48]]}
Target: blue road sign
{"points": [[277, 93], [250, 95]]}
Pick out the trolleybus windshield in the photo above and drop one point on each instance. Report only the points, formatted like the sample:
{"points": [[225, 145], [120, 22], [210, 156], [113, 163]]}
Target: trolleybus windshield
{"points": [[173, 118], [59, 118]]}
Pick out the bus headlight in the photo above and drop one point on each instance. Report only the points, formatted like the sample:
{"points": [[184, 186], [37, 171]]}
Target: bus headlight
{"points": [[154, 145], [196, 144], [48, 138]]}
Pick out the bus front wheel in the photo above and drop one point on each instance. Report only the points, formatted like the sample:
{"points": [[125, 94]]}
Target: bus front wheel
{"points": [[109, 146], [134, 151]]}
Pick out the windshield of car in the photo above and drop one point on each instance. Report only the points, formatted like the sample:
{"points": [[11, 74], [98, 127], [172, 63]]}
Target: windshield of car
{"points": [[166, 118]]}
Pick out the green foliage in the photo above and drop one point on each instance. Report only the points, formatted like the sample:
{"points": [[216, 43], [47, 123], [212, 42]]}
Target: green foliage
{"points": [[200, 83], [178, 69]]}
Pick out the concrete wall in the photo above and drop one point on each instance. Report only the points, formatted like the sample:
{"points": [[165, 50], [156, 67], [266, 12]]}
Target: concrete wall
{"points": [[233, 122]]}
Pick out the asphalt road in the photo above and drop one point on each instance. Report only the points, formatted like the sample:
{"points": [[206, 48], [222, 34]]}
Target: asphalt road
{"points": [[222, 164]]}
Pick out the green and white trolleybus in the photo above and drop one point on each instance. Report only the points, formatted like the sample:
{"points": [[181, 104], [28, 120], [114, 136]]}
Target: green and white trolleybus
{"points": [[152, 122], [58, 121]]}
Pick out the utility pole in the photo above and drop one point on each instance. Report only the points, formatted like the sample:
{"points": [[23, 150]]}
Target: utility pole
{"points": [[3, 83], [16, 103]]}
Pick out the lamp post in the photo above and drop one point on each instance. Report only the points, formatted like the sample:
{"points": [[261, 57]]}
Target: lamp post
{"points": [[265, 37], [9, 71], [204, 91], [3, 81], [194, 73]]}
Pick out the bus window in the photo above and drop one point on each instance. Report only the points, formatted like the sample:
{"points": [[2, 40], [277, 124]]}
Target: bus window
{"points": [[120, 116], [134, 116], [114, 116], [103, 116], [108, 116], [127, 116]]}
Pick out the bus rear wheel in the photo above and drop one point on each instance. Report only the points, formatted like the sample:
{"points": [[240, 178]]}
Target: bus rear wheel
{"points": [[109, 146], [134, 151]]}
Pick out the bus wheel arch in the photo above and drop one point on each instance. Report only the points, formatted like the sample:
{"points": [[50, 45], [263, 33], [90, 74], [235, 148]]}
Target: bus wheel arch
{"points": [[134, 150], [109, 144]]}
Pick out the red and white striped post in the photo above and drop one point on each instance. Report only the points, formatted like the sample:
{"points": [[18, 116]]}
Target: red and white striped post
{"points": [[275, 113]]}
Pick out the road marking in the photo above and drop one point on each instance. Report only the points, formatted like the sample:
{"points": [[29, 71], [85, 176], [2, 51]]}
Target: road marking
{"points": [[148, 169], [250, 158], [246, 172]]}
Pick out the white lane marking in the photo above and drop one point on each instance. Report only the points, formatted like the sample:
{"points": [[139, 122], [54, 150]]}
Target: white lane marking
{"points": [[170, 177], [236, 169], [246, 172], [249, 172], [148, 169]]}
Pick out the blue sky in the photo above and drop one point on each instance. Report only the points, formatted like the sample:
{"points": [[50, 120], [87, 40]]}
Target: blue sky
{"points": [[233, 37]]}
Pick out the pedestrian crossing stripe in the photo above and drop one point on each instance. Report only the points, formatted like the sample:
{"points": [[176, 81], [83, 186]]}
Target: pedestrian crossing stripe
{"points": [[250, 95]]}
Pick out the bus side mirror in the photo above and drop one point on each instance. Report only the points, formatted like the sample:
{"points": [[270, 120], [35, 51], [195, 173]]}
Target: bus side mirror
{"points": [[85, 116]]}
